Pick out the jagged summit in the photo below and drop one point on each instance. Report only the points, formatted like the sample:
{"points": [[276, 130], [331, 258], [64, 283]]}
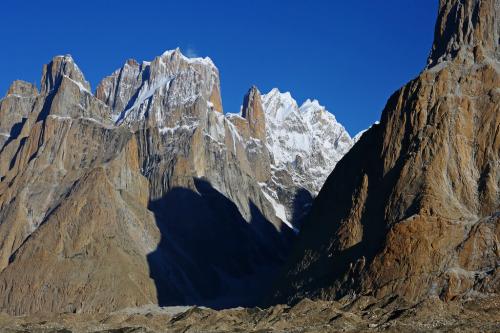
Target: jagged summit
{"points": [[147, 189], [305, 139], [61, 67], [279, 105], [138, 92], [411, 211], [469, 30], [178, 53], [252, 111]]}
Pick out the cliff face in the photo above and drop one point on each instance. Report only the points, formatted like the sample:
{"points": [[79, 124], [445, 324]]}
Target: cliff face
{"points": [[142, 192], [468, 30], [413, 208], [253, 112]]}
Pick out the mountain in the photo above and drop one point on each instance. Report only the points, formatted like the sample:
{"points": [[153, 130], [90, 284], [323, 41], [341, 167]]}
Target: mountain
{"points": [[413, 209], [145, 192], [304, 143]]}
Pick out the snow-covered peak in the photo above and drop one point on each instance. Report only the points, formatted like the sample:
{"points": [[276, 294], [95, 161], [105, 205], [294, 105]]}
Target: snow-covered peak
{"points": [[278, 106], [199, 60], [307, 140], [149, 91], [315, 113], [309, 105]]}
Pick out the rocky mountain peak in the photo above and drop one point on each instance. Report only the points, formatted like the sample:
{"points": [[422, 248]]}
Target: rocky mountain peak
{"points": [[304, 140], [177, 55], [57, 69], [412, 209], [279, 105], [311, 104], [15, 108], [253, 112], [22, 88], [131, 62], [469, 30], [166, 180], [148, 91]]}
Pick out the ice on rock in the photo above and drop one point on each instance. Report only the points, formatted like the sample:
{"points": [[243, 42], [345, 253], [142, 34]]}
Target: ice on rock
{"points": [[302, 143], [307, 140]]}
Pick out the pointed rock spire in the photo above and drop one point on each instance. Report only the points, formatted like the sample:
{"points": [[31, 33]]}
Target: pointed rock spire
{"points": [[467, 29], [61, 66], [253, 112]]}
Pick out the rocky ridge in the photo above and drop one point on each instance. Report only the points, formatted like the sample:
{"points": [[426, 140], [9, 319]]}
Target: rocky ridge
{"points": [[402, 237], [413, 209], [144, 189], [365, 314]]}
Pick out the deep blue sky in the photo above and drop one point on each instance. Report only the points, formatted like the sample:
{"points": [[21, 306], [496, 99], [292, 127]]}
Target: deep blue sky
{"points": [[350, 55]]}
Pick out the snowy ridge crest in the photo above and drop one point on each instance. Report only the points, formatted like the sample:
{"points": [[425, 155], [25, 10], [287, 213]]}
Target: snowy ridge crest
{"points": [[147, 91], [179, 95], [306, 140]]}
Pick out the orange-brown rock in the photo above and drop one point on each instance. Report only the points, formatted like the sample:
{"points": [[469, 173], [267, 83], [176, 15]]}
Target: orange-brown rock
{"points": [[414, 208], [252, 111], [365, 314], [15, 109], [98, 213]]}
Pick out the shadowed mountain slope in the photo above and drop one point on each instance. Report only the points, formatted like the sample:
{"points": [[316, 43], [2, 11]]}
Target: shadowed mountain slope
{"points": [[413, 209]]}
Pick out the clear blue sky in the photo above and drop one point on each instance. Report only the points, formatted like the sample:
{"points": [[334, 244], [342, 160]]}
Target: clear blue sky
{"points": [[350, 55]]}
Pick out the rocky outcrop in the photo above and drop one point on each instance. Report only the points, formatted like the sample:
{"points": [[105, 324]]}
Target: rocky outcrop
{"points": [[142, 193], [153, 93], [413, 208], [468, 30], [254, 114], [71, 200], [365, 314], [305, 140], [62, 67], [305, 143], [15, 109]]}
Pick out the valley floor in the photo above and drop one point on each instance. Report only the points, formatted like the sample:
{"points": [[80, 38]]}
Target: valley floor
{"points": [[361, 315]]}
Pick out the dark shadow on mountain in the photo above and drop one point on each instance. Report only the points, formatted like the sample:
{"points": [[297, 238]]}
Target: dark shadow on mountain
{"points": [[14, 158], [209, 254], [450, 30], [336, 270], [14, 132], [145, 76], [302, 203], [18, 127]]}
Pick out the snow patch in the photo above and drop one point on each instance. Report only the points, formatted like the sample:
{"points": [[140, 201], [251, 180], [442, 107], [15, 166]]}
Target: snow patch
{"points": [[145, 93], [57, 117], [307, 141], [279, 209], [79, 84], [197, 60], [17, 96], [171, 130]]}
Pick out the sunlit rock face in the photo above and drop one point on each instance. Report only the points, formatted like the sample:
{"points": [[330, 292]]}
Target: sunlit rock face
{"points": [[412, 210], [145, 191]]}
